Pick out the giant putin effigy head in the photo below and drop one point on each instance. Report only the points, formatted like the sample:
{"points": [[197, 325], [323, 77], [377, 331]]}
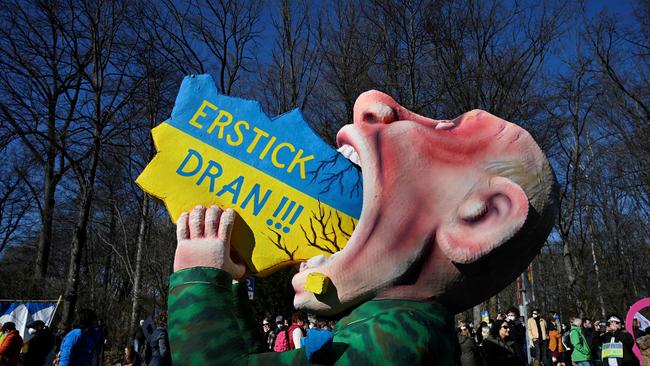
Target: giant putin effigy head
{"points": [[453, 210]]}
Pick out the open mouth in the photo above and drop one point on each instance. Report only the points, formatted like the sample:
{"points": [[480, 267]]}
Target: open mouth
{"points": [[350, 153]]}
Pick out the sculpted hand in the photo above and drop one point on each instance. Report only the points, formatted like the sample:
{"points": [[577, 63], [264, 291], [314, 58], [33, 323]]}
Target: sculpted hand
{"points": [[204, 240]]}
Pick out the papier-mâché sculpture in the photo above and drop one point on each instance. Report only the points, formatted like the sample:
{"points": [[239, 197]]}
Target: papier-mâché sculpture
{"points": [[452, 211]]}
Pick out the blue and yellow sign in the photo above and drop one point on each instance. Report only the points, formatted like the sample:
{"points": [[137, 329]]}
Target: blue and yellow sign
{"points": [[297, 196]]}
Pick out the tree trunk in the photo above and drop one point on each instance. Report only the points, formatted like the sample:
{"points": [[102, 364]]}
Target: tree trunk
{"points": [[594, 257], [569, 266], [137, 283], [79, 237], [47, 217], [599, 291], [106, 278], [49, 189]]}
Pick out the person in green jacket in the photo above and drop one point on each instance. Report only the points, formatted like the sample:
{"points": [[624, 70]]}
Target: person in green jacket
{"points": [[453, 211], [581, 355]]}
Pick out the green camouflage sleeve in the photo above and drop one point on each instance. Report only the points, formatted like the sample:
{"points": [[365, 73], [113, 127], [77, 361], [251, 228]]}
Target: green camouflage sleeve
{"points": [[210, 323], [204, 323], [394, 332], [244, 315]]}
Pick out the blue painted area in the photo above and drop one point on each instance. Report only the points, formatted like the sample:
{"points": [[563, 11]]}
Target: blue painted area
{"points": [[8, 308], [34, 307], [327, 177]]}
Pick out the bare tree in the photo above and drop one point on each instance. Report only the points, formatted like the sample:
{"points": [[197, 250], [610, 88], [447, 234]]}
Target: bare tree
{"points": [[108, 88], [207, 36], [490, 56], [40, 87], [401, 36], [291, 75], [14, 204], [155, 96], [347, 60]]}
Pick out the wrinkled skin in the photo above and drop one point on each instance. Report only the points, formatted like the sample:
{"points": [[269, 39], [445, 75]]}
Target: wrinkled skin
{"points": [[429, 205]]}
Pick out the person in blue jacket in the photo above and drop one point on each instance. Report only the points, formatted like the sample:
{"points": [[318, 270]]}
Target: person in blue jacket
{"points": [[159, 343], [83, 344]]}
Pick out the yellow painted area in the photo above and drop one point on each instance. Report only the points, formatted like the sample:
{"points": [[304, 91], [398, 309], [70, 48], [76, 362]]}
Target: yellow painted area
{"points": [[317, 283], [175, 176]]}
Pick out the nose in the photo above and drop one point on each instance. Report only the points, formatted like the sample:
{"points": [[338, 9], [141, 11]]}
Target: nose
{"points": [[375, 107]]}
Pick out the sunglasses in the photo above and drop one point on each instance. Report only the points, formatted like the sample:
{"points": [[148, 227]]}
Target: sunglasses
{"points": [[505, 327]]}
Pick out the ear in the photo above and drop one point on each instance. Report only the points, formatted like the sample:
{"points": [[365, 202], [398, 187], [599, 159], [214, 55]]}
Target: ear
{"points": [[486, 219]]}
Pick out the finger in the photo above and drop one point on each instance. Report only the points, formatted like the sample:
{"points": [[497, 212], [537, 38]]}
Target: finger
{"points": [[182, 231], [197, 216], [212, 216], [225, 224]]}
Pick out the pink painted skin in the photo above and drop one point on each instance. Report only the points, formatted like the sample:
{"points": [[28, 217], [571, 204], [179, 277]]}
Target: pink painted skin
{"points": [[204, 240], [429, 203], [423, 181]]}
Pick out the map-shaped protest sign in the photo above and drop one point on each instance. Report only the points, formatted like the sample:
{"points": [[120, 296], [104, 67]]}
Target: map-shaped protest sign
{"points": [[296, 196]]}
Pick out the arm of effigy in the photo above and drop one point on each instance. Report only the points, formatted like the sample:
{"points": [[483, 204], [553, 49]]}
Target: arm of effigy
{"points": [[204, 327], [244, 315]]}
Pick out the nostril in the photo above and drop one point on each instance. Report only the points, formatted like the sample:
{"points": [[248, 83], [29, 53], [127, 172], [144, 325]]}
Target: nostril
{"points": [[379, 113], [369, 117]]}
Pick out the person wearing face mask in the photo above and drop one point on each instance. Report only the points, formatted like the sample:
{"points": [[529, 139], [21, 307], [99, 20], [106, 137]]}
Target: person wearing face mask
{"points": [[581, 355], [517, 332], [538, 334], [617, 345], [40, 344]]}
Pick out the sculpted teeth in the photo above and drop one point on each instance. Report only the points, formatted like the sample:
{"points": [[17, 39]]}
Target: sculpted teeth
{"points": [[445, 125], [350, 154]]}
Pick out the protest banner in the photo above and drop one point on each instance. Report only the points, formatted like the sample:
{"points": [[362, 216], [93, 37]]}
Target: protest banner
{"points": [[297, 197]]}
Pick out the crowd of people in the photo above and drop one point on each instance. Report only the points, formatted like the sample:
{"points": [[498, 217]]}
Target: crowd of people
{"points": [[506, 340], [283, 336], [81, 346], [509, 339]]}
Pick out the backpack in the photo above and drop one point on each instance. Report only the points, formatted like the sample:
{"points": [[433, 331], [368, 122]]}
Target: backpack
{"points": [[282, 342]]}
